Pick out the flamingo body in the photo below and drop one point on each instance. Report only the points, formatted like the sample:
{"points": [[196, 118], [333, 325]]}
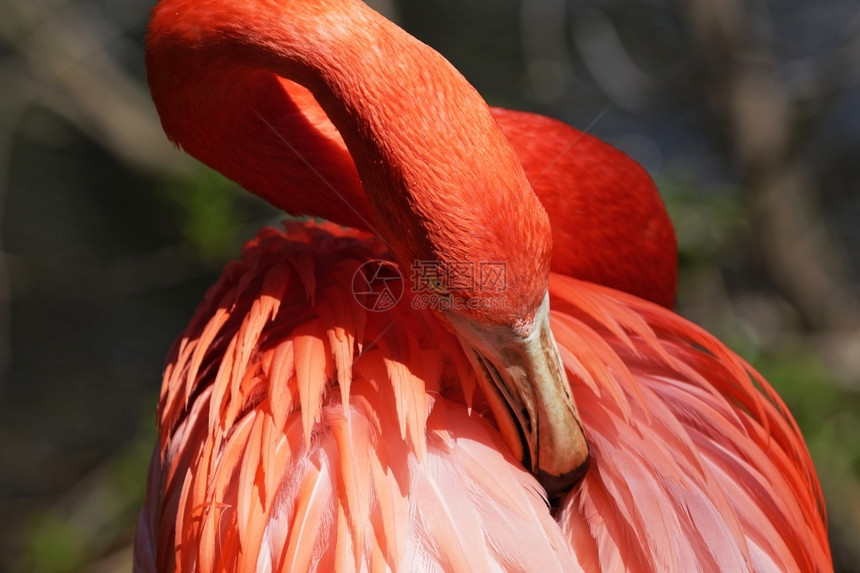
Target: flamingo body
{"points": [[370, 457], [300, 431]]}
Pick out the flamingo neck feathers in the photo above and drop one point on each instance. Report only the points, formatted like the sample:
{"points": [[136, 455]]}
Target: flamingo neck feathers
{"points": [[442, 182]]}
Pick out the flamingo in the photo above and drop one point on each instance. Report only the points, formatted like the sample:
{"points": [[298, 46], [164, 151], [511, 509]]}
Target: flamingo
{"points": [[560, 420]]}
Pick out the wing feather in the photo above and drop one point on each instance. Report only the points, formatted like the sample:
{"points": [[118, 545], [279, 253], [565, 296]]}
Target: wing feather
{"points": [[281, 373], [705, 444], [311, 372]]}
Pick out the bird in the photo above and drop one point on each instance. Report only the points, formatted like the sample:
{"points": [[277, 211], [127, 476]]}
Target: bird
{"points": [[521, 398]]}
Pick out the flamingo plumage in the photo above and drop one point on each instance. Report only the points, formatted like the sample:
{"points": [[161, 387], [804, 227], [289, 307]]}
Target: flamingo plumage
{"points": [[300, 431]]}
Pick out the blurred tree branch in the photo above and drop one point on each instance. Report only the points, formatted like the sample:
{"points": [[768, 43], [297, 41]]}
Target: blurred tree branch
{"points": [[59, 61], [794, 245], [56, 58]]}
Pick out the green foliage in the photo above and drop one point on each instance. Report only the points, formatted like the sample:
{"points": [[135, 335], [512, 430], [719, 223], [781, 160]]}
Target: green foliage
{"points": [[708, 223], [98, 514], [54, 545], [802, 381], [210, 217]]}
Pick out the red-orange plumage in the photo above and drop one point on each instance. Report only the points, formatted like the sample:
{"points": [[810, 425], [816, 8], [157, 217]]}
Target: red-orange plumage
{"points": [[694, 458], [604, 231], [300, 431]]}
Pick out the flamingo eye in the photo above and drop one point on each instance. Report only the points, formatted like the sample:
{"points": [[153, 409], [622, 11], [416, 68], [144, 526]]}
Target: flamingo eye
{"points": [[436, 285]]}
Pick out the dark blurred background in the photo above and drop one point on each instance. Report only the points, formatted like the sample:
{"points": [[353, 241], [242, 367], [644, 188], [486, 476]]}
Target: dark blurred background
{"points": [[747, 114]]}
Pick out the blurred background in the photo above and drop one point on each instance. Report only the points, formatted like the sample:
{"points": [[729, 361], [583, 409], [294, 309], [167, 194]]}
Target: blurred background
{"points": [[747, 114]]}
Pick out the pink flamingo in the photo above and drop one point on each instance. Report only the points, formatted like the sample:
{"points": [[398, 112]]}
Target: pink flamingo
{"points": [[300, 431]]}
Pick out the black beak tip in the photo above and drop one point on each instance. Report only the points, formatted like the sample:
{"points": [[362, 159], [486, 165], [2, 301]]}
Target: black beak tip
{"points": [[557, 486]]}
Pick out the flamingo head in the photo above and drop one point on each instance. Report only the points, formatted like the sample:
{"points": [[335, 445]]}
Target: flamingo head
{"points": [[476, 244]]}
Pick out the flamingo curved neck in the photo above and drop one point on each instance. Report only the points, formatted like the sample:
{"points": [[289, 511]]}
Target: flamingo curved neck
{"points": [[442, 181]]}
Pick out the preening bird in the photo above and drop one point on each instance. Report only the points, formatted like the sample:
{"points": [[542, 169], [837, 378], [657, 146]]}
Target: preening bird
{"points": [[543, 413]]}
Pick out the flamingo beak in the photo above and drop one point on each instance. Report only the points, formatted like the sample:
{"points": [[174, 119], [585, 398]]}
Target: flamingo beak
{"points": [[527, 388]]}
